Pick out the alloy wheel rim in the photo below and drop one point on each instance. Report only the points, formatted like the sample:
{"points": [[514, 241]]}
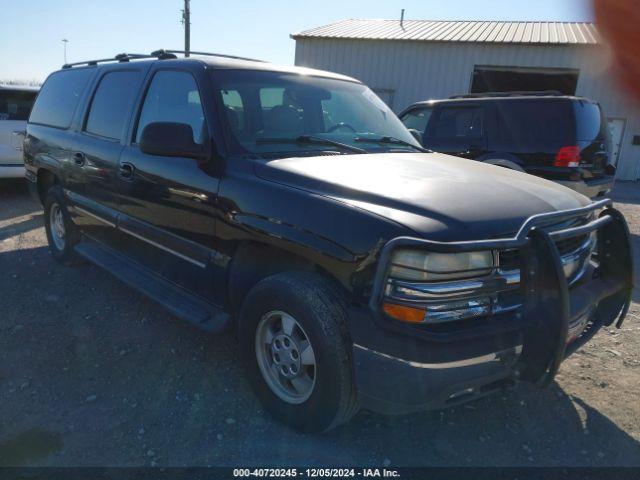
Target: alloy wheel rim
{"points": [[56, 223], [285, 357]]}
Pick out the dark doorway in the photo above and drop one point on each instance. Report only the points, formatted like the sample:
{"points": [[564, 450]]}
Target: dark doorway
{"points": [[514, 79]]}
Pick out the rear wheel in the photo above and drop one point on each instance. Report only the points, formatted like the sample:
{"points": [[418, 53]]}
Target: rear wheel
{"points": [[62, 233], [296, 350]]}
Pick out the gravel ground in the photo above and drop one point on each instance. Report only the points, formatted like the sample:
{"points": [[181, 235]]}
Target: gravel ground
{"points": [[93, 374]]}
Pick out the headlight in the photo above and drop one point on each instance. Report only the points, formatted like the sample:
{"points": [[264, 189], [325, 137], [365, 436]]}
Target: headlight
{"points": [[417, 265]]}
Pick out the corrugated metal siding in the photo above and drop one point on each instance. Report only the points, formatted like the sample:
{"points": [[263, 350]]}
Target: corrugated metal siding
{"points": [[458, 31], [417, 71]]}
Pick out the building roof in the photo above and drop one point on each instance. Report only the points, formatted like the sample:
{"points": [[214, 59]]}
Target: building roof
{"points": [[554, 33]]}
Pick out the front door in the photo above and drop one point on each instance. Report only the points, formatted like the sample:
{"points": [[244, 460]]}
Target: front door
{"points": [[168, 203]]}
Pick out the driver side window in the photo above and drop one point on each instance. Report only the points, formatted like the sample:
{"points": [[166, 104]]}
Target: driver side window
{"points": [[173, 96], [417, 119]]}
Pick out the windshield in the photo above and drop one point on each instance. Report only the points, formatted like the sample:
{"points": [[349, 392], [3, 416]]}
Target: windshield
{"points": [[268, 112]]}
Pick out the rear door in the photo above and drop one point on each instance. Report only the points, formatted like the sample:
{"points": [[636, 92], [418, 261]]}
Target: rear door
{"points": [[457, 130], [53, 120], [168, 203], [97, 146]]}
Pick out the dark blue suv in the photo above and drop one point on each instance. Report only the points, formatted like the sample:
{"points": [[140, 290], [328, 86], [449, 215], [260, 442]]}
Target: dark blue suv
{"points": [[560, 138]]}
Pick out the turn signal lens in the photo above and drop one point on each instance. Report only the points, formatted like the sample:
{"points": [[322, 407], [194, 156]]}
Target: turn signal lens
{"points": [[568, 157], [404, 313]]}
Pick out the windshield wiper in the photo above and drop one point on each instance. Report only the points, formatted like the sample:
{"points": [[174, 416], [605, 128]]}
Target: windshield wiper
{"points": [[311, 140], [391, 140]]}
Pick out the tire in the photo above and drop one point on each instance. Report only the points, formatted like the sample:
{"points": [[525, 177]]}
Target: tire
{"points": [[61, 242], [319, 311]]}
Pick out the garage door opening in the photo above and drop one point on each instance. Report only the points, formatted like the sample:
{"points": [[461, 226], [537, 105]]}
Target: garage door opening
{"points": [[515, 79]]}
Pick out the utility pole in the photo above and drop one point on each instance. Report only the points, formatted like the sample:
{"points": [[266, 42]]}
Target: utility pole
{"points": [[186, 21], [64, 42]]}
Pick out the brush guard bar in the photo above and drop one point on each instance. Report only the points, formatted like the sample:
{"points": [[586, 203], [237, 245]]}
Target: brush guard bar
{"points": [[549, 304]]}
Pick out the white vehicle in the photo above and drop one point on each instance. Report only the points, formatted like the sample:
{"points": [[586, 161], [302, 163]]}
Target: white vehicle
{"points": [[15, 105]]}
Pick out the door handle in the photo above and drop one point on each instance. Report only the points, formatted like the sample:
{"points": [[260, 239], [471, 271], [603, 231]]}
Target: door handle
{"points": [[79, 159], [126, 170]]}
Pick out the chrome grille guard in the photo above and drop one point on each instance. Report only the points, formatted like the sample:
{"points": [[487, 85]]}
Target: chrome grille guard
{"points": [[548, 305]]}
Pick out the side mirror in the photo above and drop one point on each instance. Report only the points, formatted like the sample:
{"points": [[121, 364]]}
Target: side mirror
{"points": [[170, 139], [416, 134]]}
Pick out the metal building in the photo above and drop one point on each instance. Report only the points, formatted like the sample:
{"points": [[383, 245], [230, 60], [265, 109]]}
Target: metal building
{"points": [[411, 60]]}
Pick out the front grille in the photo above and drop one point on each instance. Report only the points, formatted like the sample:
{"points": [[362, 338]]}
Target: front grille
{"points": [[510, 259], [571, 244]]}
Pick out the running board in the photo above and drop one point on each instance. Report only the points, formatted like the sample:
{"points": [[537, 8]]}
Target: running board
{"points": [[178, 301]]}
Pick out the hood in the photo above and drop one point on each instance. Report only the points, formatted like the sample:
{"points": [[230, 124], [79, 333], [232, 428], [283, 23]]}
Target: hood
{"points": [[438, 196]]}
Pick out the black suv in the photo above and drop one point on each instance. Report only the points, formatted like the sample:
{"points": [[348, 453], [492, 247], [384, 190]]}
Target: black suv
{"points": [[560, 138], [292, 205]]}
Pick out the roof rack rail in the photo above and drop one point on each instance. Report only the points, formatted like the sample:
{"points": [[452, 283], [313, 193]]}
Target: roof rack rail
{"points": [[208, 54], [121, 57], [526, 93], [159, 54]]}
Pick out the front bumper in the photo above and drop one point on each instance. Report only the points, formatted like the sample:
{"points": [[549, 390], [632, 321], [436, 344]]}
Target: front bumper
{"points": [[401, 368]]}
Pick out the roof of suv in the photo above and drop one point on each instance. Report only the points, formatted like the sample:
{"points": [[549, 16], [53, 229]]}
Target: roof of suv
{"points": [[216, 61], [231, 63]]}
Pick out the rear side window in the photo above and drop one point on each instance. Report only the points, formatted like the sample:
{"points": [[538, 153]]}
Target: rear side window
{"points": [[531, 123], [111, 104], [59, 98], [589, 121], [173, 97], [16, 104], [417, 119]]}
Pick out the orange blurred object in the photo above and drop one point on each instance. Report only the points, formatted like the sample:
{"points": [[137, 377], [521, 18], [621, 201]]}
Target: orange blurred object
{"points": [[406, 314], [619, 22]]}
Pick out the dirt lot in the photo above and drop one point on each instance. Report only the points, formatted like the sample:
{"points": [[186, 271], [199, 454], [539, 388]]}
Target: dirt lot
{"points": [[92, 373]]}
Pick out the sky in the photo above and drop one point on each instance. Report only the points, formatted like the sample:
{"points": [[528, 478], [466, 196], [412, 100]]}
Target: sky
{"points": [[32, 30]]}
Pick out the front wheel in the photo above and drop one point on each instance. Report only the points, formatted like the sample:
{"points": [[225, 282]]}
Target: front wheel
{"points": [[296, 350]]}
